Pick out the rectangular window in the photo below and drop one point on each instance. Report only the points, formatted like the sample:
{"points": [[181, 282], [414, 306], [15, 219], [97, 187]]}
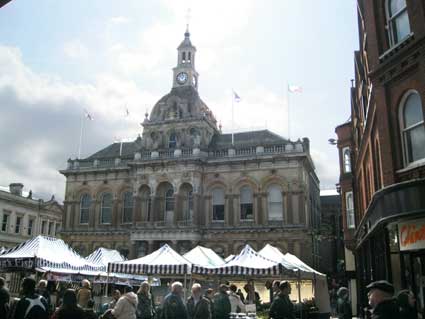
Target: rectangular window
{"points": [[349, 206], [43, 227], [30, 226], [51, 224], [218, 212], [346, 157], [18, 224], [5, 222]]}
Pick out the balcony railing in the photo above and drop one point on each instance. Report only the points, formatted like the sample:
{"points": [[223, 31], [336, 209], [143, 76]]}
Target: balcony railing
{"points": [[292, 147]]}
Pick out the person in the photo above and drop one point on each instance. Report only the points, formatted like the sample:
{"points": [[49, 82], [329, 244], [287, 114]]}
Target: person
{"points": [[42, 290], [241, 295], [381, 299], [4, 299], [343, 306], [84, 293], [282, 307], [252, 296], [222, 305], [209, 294], [31, 305], [198, 307], [275, 288], [69, 308], [407, 304], [145, 307], [236, 303], [126, 306], [89, 312], [173, 306]]}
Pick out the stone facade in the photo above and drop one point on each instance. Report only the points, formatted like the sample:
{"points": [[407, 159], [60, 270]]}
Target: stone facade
{"points": [[185, 183], [23, 217]]}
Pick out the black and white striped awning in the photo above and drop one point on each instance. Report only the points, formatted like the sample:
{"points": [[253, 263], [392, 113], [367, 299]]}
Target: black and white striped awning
{"points": [[164, 261], [248, 262], [47, 254]]}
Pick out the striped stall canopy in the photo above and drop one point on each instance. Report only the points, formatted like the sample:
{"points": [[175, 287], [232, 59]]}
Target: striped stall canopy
{"points": [[248, 262], [203, 256], [164, 261], [44, 253], [103, 256]]}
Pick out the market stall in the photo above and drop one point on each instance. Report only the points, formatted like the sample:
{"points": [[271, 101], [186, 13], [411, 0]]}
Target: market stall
{"points": [[204, 257]]}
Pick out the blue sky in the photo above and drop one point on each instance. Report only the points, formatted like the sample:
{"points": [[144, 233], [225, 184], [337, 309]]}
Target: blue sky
{"points": [[59, 57]]}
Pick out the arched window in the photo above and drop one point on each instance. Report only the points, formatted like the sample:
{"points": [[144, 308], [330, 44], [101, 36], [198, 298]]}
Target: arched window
{"points": [[413, 130], [106, 209], [169, 200], [172, 141], [189, 59], [274, 203], [183, 57], [346, 153], [349, 206], [127, 212], [398, 21], [246, 206], [218, 204], [85, 204]]}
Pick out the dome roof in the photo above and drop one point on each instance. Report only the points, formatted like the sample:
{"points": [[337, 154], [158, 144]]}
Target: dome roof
{"points": [[180, 103]]}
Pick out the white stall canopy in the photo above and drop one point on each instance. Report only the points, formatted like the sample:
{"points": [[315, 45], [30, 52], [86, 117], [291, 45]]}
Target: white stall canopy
{"points": [[164, 261], [44, 254], [203, 256]]}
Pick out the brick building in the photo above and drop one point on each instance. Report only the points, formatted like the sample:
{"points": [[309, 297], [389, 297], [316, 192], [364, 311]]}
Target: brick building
{"points": [[382, 149]]}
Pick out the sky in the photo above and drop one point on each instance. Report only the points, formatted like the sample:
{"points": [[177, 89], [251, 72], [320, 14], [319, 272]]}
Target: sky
{"points": [[59, 58]]}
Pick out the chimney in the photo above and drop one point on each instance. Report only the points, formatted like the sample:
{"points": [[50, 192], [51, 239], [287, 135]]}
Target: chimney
{"points": [[16, 188]]}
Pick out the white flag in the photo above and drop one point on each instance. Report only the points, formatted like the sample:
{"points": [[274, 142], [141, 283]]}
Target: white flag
{"points": [[88, 115], [295, 89], [236, 97]]}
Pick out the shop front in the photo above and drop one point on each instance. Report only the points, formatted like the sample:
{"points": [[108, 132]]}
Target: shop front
{"points": [[391, 241]]}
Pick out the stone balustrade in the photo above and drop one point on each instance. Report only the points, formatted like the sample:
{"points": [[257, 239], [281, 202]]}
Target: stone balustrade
{"points": [[233, 152]]}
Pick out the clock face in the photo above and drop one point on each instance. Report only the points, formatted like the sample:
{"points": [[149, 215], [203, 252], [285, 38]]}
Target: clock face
{"points": [[181, 78]]}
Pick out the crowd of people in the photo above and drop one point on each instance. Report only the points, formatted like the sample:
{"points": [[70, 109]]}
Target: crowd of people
{"points": [[35, 302]]}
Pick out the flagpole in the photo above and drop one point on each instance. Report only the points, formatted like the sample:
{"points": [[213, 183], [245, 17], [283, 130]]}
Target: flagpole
{"points": [[120, 147], [289, 128], [233, 128], [81, 135]]}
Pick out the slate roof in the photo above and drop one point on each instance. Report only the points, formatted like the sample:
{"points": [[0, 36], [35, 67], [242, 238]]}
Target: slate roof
{"points": [[251, 138], [113, 150]]}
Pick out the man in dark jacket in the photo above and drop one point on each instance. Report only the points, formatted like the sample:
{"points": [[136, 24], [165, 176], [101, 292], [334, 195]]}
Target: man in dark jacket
{"points": [[381, 299], [31, 305], [173, 306], [198, 307], [221, 303], [282, 307], [4, 299]]}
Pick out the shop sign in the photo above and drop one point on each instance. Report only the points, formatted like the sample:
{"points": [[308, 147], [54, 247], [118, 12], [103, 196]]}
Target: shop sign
{"points": [[411, 234]]}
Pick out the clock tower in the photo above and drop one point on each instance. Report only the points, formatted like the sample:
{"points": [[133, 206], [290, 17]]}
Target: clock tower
{"points": [[184, 74]]}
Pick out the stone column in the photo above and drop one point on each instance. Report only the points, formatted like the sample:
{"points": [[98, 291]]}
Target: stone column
{"points": [[301, 208], [256, 199], [153, 207], [150, 247], [96, 214], [263, 208], [133, 250], [208, 210], [235, 200], [289, 218], [116, 212], [196, 218]]}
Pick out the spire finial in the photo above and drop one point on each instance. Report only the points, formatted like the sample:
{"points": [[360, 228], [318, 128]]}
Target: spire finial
{"points": [[188, 16]]}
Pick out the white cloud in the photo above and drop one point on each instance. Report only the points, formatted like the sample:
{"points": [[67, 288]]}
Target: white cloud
{"points": [[75, 49], [119, 20]]}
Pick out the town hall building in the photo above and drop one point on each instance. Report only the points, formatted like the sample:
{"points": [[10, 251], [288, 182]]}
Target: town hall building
{"points": [[185, 183]]}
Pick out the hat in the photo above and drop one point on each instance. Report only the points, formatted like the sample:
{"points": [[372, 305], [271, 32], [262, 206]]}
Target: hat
{"points": [[382, 285]]}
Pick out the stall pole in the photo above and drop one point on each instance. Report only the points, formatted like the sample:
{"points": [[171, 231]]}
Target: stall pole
{"points": [[107, 283], [299, 294], [185, 287]]}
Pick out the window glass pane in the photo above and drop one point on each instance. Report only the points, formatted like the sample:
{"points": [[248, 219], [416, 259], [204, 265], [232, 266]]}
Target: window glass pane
{"points": [[415, 139], [85, 209], [106, 210], [274, 201], [218, 196], [172, 141], [402, 27], [128, 207], [396, 6], [169, 200], [218, 212], [246, 195], [413, 110]]}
